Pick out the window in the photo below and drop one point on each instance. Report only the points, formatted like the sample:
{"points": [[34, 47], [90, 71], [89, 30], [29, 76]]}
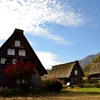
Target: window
{"points": [[17, 43], [22, 53], [3, 60], [76, 72], [14, 61], [11, 51]]}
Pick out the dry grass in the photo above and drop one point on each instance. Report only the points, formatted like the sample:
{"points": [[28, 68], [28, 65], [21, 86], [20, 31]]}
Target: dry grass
{"points": [[59, 97], [54, 98]]}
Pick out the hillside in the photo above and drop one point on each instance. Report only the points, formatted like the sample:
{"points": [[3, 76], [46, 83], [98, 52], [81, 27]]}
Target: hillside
{"points": [[87, 59]]}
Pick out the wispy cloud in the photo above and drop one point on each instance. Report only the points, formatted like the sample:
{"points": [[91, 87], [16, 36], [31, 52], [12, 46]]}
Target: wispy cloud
{"points": [[48, 59], [33, 15]]}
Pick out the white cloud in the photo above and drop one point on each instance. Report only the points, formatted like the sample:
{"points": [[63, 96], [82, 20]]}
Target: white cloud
{"points": [[48, 59], [32, 15], [31, 43]]}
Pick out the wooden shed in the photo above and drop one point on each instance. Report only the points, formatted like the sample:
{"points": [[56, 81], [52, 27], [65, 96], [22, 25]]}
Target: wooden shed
{"points": [[15, 48], [94, 73], [67, 73]]}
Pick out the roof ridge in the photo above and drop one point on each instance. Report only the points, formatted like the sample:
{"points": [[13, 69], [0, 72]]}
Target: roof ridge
{"points": [[65, 63], [18, 30]]}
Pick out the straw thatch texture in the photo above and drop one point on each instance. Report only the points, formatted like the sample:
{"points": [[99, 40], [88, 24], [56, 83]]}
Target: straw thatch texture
{"points": [[95, 69], [62, 70]]}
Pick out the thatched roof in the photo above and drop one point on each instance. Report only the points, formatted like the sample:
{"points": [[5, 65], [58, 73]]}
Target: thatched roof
{"points": [[95, 69], [63, 70]]}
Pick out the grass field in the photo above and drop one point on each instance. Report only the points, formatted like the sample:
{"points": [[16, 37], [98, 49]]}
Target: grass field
{"points": [[83, 90], [66, 94]]}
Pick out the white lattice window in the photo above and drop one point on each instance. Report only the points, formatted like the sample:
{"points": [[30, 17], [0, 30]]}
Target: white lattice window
{"points": [[3, 60], [76, 72], [17, 43], [11, 51], [14, 61], [22, 53]]}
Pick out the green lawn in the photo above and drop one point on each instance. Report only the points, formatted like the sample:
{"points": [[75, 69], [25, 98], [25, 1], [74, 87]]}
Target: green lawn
{"points": [[82, 90]]}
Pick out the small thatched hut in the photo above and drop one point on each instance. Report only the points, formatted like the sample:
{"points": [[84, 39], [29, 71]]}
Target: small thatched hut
{"points": [[69, 72], [94, 71]]}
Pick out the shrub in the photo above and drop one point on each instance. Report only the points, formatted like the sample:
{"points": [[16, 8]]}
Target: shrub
{"points": [[20, 92], [52, 85], [90, 83], [36, 91], [12, 92]]}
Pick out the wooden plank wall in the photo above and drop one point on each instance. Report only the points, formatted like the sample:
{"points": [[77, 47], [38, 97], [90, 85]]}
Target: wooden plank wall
{"points": [[36, 80]]}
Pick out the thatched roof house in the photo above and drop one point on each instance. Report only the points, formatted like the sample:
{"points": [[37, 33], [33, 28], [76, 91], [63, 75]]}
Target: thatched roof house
{"points": [[94, 71], [17, 47], [68, 72]]}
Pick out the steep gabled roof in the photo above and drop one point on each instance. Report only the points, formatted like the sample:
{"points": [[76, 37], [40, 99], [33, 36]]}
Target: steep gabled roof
{"points": [[33, 56], [95, 69], [63, 70], [10, 39]]}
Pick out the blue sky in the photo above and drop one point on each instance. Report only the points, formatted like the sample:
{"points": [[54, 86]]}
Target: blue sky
{"points": [[59, 31]]}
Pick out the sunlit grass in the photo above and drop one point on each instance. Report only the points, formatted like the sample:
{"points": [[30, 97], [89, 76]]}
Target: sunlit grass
{"points": [[83, 90], [90, 90]]}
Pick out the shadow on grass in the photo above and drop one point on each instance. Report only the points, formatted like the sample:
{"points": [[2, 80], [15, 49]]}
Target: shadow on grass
{"points": [[63, 93]]}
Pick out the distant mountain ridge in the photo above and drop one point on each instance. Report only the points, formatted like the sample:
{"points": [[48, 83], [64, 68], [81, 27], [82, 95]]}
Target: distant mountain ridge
{"points": [[83, 62]]}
